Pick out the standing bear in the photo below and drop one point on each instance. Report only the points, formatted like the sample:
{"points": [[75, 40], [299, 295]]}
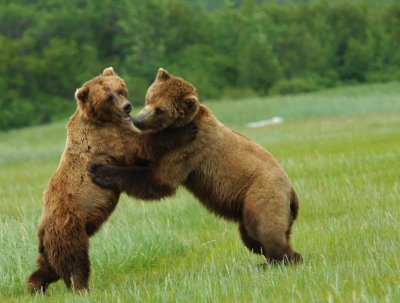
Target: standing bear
{"points": [[75, 208], [231, 175]]}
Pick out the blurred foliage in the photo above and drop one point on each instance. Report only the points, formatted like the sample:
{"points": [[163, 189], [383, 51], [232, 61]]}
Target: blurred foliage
{"points": [[49, 48]]}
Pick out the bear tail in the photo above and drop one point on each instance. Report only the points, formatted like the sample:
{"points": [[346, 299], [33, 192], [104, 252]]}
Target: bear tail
{"points": [[294, 204], [294, 211]]}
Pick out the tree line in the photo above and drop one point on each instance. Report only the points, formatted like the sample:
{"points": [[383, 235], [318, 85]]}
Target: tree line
{"points": [[237, 48]]}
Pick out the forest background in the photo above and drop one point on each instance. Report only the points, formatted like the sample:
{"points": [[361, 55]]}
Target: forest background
{"points": [[227, 49]]}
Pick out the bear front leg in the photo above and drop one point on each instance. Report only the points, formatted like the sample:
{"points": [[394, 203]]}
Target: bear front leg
{"points": [[137, 182], [156, 144]]}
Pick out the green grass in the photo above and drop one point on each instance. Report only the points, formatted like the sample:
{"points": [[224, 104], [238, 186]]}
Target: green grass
{"points": [[341, 149]]}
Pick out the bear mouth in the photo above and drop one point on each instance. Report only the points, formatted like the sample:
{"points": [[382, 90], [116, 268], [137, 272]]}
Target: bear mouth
{"points": [[127, 119]]}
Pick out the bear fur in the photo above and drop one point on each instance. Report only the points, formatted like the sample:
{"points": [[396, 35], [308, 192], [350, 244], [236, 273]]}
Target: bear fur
{"points": [[75, 208], [232, 176]]}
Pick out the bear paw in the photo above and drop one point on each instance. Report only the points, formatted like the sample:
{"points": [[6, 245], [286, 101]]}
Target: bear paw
{"points": [[98, 173]]}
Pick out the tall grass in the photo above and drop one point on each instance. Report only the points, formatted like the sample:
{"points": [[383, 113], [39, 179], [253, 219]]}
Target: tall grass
{"points": [[341, 149]]}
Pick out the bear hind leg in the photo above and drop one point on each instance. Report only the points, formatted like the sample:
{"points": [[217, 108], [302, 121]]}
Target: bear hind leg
{"points": [[77, 277], [68, 253], [74, 267], [268, 224], [42, 277], [249, 242]]}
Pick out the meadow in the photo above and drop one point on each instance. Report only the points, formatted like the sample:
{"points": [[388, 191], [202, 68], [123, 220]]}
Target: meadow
{"points": [[341, 149]]}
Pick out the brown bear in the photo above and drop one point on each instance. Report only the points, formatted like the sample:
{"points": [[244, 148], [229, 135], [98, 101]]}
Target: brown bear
{"points": [[231, 175], [74, 208]]}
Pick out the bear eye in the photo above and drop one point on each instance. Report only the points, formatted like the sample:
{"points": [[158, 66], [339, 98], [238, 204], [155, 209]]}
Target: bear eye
{"points": [[121, 93], [159, 111], [110, 99]]}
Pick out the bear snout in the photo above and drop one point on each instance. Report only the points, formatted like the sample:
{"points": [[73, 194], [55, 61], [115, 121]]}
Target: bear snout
{"points": [[138, 123], [127, 108]]}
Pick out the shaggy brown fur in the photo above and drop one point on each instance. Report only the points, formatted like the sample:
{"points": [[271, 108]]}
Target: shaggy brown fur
{"points": [[231, 175], [75, 208]]}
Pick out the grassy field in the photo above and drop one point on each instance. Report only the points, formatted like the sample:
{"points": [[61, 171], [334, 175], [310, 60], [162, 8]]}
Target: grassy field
{"points": [[341, 149]]}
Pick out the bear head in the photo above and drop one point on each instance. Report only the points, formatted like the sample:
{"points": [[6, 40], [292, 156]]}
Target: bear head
{"points": [[105, 99], [171, 102]]}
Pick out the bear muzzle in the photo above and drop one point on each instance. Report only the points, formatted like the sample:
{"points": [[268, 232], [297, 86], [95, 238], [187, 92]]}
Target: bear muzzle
{"points": [[127, 108], [138, 123], [142, 119]]}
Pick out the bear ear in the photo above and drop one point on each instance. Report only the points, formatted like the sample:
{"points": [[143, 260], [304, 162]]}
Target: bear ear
{"points": [[82, 93], [192, 99], [191, 104], [109, 71], [162, 75]]}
